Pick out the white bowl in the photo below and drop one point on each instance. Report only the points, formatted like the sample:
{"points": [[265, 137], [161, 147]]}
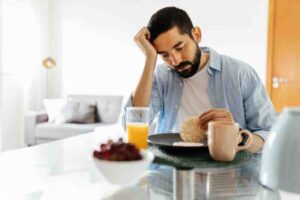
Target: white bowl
{"points": [[124, 172]]}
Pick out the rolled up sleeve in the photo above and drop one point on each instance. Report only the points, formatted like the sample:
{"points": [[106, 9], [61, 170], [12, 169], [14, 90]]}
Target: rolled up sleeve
{"points": [[259, 111]]}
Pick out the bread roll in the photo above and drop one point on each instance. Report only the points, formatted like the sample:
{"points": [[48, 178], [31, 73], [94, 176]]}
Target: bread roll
{"points": [[190, 130]]}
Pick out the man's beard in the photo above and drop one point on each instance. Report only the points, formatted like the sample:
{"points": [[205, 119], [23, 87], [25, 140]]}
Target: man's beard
{"points": [[194, 65]]}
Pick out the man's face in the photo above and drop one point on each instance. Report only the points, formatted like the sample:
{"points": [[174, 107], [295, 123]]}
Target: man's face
{"points": [[180, 52]]}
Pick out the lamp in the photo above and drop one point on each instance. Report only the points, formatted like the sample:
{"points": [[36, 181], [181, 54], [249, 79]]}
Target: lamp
{"points": [[49, 63]]}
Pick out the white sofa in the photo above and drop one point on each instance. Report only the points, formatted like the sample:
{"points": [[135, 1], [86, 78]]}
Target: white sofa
{"points": [[38, 130]]}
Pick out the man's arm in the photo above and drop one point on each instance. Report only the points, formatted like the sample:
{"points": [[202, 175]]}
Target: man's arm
{"points": [[146, 93], [142, 93], [259, 111]]}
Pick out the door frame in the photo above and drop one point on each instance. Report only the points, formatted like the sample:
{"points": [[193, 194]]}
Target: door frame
{"points": [[270, 46]]}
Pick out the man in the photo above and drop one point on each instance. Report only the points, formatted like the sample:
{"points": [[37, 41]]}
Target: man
{"points": [[197, 81]]}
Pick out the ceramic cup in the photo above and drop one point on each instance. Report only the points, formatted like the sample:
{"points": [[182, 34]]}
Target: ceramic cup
{"points": [[224, 139]]}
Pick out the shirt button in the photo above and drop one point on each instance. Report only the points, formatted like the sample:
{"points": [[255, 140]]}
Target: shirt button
{"points": [[181, 84], [176, 106]]}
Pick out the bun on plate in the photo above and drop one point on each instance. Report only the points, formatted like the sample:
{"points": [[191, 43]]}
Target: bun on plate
{"points": [[191, 131]]}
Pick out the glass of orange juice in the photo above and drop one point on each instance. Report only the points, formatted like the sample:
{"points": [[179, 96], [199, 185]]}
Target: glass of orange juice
{"points": [[137, 125]]}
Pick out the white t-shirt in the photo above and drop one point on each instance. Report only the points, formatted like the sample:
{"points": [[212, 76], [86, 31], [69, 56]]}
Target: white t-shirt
{"points": [[194, 98]]}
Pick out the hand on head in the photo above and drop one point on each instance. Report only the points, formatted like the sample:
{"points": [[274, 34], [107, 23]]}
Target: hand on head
{"points": [[222, 115], [142, 39]]}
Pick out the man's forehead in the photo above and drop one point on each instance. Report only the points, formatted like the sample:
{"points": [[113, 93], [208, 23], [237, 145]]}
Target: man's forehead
{"points": [[169, 39]]}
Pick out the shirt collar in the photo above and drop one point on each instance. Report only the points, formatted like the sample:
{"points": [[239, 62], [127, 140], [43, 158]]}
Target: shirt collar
{"points": [[214, 60]]}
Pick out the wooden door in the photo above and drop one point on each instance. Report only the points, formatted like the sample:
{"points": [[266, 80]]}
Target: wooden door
{"points": [[283, 70]]}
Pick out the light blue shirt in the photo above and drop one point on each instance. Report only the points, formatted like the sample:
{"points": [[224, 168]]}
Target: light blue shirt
{"points": [[233, 85]]}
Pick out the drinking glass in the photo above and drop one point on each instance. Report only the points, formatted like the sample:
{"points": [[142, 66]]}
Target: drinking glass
{"points": [[137, 126]]}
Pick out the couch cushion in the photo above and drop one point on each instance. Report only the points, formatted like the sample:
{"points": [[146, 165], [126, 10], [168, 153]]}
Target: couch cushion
{"points": [[76, 112], [90, 99], [58, 131], [108, 106]]}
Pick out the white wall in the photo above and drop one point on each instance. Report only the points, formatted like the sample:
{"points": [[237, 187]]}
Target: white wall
{"points": [[12, 117], [23, 74], [99, 55], [1, 77]]}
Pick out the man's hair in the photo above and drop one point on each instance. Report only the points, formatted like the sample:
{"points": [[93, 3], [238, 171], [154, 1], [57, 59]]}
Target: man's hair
{"points": [[167, 18]]}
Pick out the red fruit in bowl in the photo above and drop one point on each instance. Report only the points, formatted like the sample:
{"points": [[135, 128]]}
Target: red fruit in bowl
{"points": [[117, 151]]}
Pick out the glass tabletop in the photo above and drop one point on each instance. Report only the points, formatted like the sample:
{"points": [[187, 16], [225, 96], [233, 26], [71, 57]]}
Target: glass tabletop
{"points": [[236, 183], [64, 170]]}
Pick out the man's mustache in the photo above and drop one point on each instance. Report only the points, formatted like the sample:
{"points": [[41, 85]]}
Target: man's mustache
{"points": [[182, 65]]}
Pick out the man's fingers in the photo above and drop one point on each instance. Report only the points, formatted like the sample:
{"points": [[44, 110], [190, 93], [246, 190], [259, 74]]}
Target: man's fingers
{"points": [[221, 119], [212, 111], [143, 33], [212, 115], [147, 34], [215, 115]]}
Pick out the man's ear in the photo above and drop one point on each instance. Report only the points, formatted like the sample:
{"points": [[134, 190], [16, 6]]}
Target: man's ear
{"points": [[197, 34]]}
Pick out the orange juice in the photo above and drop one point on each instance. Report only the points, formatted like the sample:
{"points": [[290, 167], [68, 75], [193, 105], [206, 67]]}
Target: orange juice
{"points": [[137, 134]]}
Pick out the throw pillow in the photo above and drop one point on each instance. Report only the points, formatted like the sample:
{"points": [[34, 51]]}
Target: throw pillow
{"points": [[76, 112], [53, 107], [109, 109]]}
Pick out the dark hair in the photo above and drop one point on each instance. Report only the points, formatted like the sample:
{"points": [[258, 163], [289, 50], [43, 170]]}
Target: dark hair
{"points": [[167, 18]]}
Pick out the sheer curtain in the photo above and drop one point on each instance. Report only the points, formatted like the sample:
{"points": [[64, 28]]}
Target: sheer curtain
{"points": [[1, 77], [24, 31]]}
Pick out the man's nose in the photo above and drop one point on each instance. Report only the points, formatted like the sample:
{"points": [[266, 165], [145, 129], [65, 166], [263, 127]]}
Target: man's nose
{"points": [[176, 59]]}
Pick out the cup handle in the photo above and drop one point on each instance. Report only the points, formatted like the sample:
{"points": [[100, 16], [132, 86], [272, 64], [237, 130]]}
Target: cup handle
{"points": [[249, 141]]}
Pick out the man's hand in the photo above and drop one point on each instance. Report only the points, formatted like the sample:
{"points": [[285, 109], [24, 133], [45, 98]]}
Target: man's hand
{"points": [[142, 40], [226, 116], [215, 115], [142, 94]]}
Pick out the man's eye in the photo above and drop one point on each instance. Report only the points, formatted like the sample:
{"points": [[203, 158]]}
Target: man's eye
{"points": [[179, 49]]}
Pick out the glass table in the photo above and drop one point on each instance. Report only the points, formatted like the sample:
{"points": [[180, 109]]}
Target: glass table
{"points": [[64, 170], [235, 183]]}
